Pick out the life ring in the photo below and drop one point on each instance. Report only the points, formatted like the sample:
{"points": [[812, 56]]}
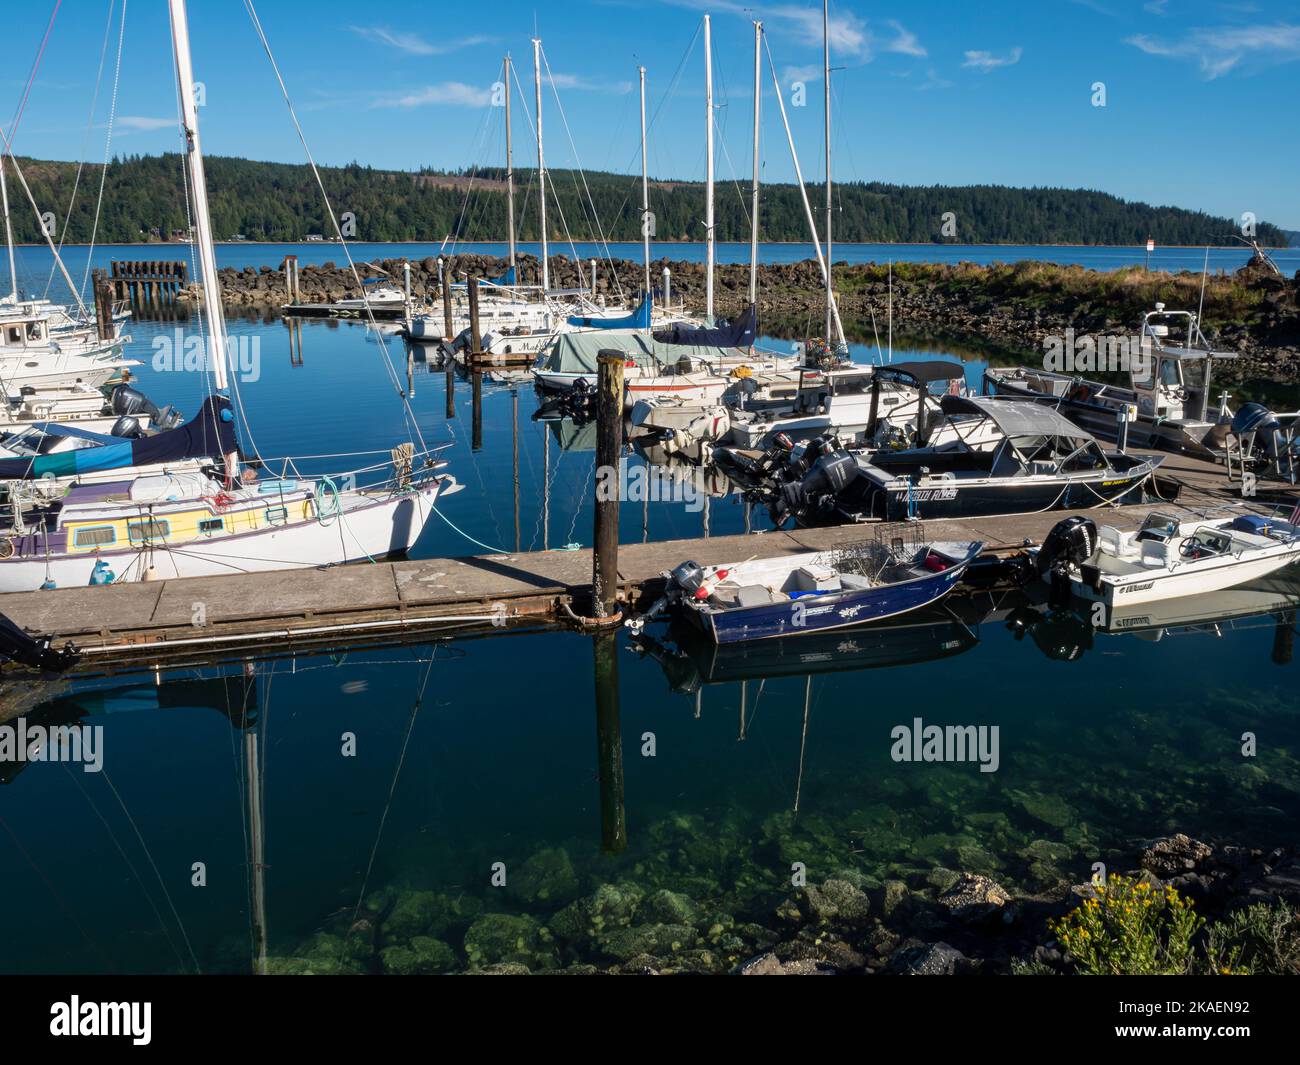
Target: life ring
{"points": [[7, 547]]}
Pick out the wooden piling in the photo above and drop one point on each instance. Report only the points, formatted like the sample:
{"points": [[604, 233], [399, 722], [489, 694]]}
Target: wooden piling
{"points": [[609, 439], [609, 743], [475, 336], [451, 387], [446, 303], [476, 408]]}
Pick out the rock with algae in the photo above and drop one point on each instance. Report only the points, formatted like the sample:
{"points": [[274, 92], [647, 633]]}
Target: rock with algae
{"points": [[423, 956], [547, 879], [503, 937]]}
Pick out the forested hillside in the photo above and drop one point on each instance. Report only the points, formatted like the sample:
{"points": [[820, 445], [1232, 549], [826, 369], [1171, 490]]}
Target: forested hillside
{"points": [[143, 199]]}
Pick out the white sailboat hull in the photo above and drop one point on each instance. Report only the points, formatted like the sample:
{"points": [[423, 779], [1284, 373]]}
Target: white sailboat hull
{"points": [[367, 530]]}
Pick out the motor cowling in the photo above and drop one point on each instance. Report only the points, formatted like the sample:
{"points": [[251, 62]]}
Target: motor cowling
{"points": [[126, 427], [1071, 542], [688, 577]]}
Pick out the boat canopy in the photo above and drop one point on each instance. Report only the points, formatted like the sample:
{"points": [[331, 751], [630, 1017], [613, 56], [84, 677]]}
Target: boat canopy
{"points": [[638, 319], [920, 373], [208, 435], [578, 352], [1015, 417], [739, 334]]}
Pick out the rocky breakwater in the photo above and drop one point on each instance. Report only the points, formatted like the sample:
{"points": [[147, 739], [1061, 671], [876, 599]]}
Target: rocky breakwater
{"points": [[1017, 307]]}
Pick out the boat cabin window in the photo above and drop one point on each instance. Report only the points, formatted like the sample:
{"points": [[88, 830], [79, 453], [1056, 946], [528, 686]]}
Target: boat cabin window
{"points": [[96, 536], [14, 335], [211, 525], [143, 532], [1169, 374]]}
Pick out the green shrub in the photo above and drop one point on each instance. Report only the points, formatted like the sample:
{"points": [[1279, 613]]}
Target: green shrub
{"points": [[1130, 928], [1263, 938]]}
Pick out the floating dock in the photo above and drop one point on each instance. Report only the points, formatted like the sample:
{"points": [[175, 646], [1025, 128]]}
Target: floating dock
{"points": [[174, 622]]}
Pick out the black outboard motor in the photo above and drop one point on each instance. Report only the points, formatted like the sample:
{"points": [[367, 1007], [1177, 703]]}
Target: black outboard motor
{"points": [[35, 651], [1071, 542]]}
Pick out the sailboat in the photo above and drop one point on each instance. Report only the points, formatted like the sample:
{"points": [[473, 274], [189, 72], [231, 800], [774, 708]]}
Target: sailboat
{"points": [[218, 517]]}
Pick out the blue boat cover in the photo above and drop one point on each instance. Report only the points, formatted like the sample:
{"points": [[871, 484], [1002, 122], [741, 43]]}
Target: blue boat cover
{"points": [[208, 435], [508, 278], [739, 334], [638, 319]]}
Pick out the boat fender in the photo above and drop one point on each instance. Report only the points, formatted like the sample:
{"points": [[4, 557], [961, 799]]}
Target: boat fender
{"points": [[102, 574], [1079, 394]]}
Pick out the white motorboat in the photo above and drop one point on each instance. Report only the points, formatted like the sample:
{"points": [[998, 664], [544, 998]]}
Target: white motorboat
{"points": [[1167, 557]]}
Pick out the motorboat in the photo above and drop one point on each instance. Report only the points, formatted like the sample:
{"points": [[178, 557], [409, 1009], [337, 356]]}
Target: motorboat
{"points": [[1167, 558], [1167, 398], [1040, 461], [808, 592]]}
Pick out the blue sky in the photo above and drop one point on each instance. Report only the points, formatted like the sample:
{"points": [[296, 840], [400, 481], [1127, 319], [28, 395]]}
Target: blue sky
{"points": [[1199, 108]]}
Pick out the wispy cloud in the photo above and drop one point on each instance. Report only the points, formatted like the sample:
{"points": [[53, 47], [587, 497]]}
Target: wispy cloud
{"points": [[933, 81], [1155, 7], [986, 61], [454, 93], [1223, 49], [142, 122], [904, 42], [413, 43], [577, 83]]}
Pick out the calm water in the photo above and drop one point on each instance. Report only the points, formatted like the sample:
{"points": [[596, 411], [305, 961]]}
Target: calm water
{"points": [[491, 749], [34, 263]]}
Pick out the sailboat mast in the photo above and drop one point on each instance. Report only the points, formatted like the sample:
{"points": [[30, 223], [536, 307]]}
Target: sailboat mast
{"points": [[710, 250], [826, 63], [9, 232], [541, 162], [510, 173], [753, 208], [645, 189], [202, 221], [199, 195]]}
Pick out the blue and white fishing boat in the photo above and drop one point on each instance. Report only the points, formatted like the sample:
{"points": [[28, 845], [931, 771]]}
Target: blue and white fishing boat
{"points": [[815, 591]]}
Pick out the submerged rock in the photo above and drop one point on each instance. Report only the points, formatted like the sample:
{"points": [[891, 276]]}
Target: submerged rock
{"points": [[424, 956], [503, 937], [546, 879], [656, 940], [835, 901], [974, 898]]}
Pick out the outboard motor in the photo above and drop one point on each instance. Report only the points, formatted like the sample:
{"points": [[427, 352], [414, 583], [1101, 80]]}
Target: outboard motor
{"points": [[131, 402], [831, 472], [1258, 419], [688, 577], [127, 427], [1071, 542]]}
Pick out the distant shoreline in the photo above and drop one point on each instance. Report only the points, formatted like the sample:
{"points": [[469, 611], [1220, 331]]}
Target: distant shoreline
{"points": [[673, 243]]}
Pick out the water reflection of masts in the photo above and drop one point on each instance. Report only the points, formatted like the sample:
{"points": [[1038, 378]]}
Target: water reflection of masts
{"points": [[514, 426], [803, 739], [546, 490], [256, 850], [609, 743]]}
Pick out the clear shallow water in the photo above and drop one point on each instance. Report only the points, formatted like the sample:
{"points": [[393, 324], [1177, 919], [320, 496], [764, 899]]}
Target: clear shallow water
{"points": [[1135, 738]]}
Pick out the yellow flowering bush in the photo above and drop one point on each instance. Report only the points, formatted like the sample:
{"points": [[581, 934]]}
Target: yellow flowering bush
{"points": [[1130, 928]]}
